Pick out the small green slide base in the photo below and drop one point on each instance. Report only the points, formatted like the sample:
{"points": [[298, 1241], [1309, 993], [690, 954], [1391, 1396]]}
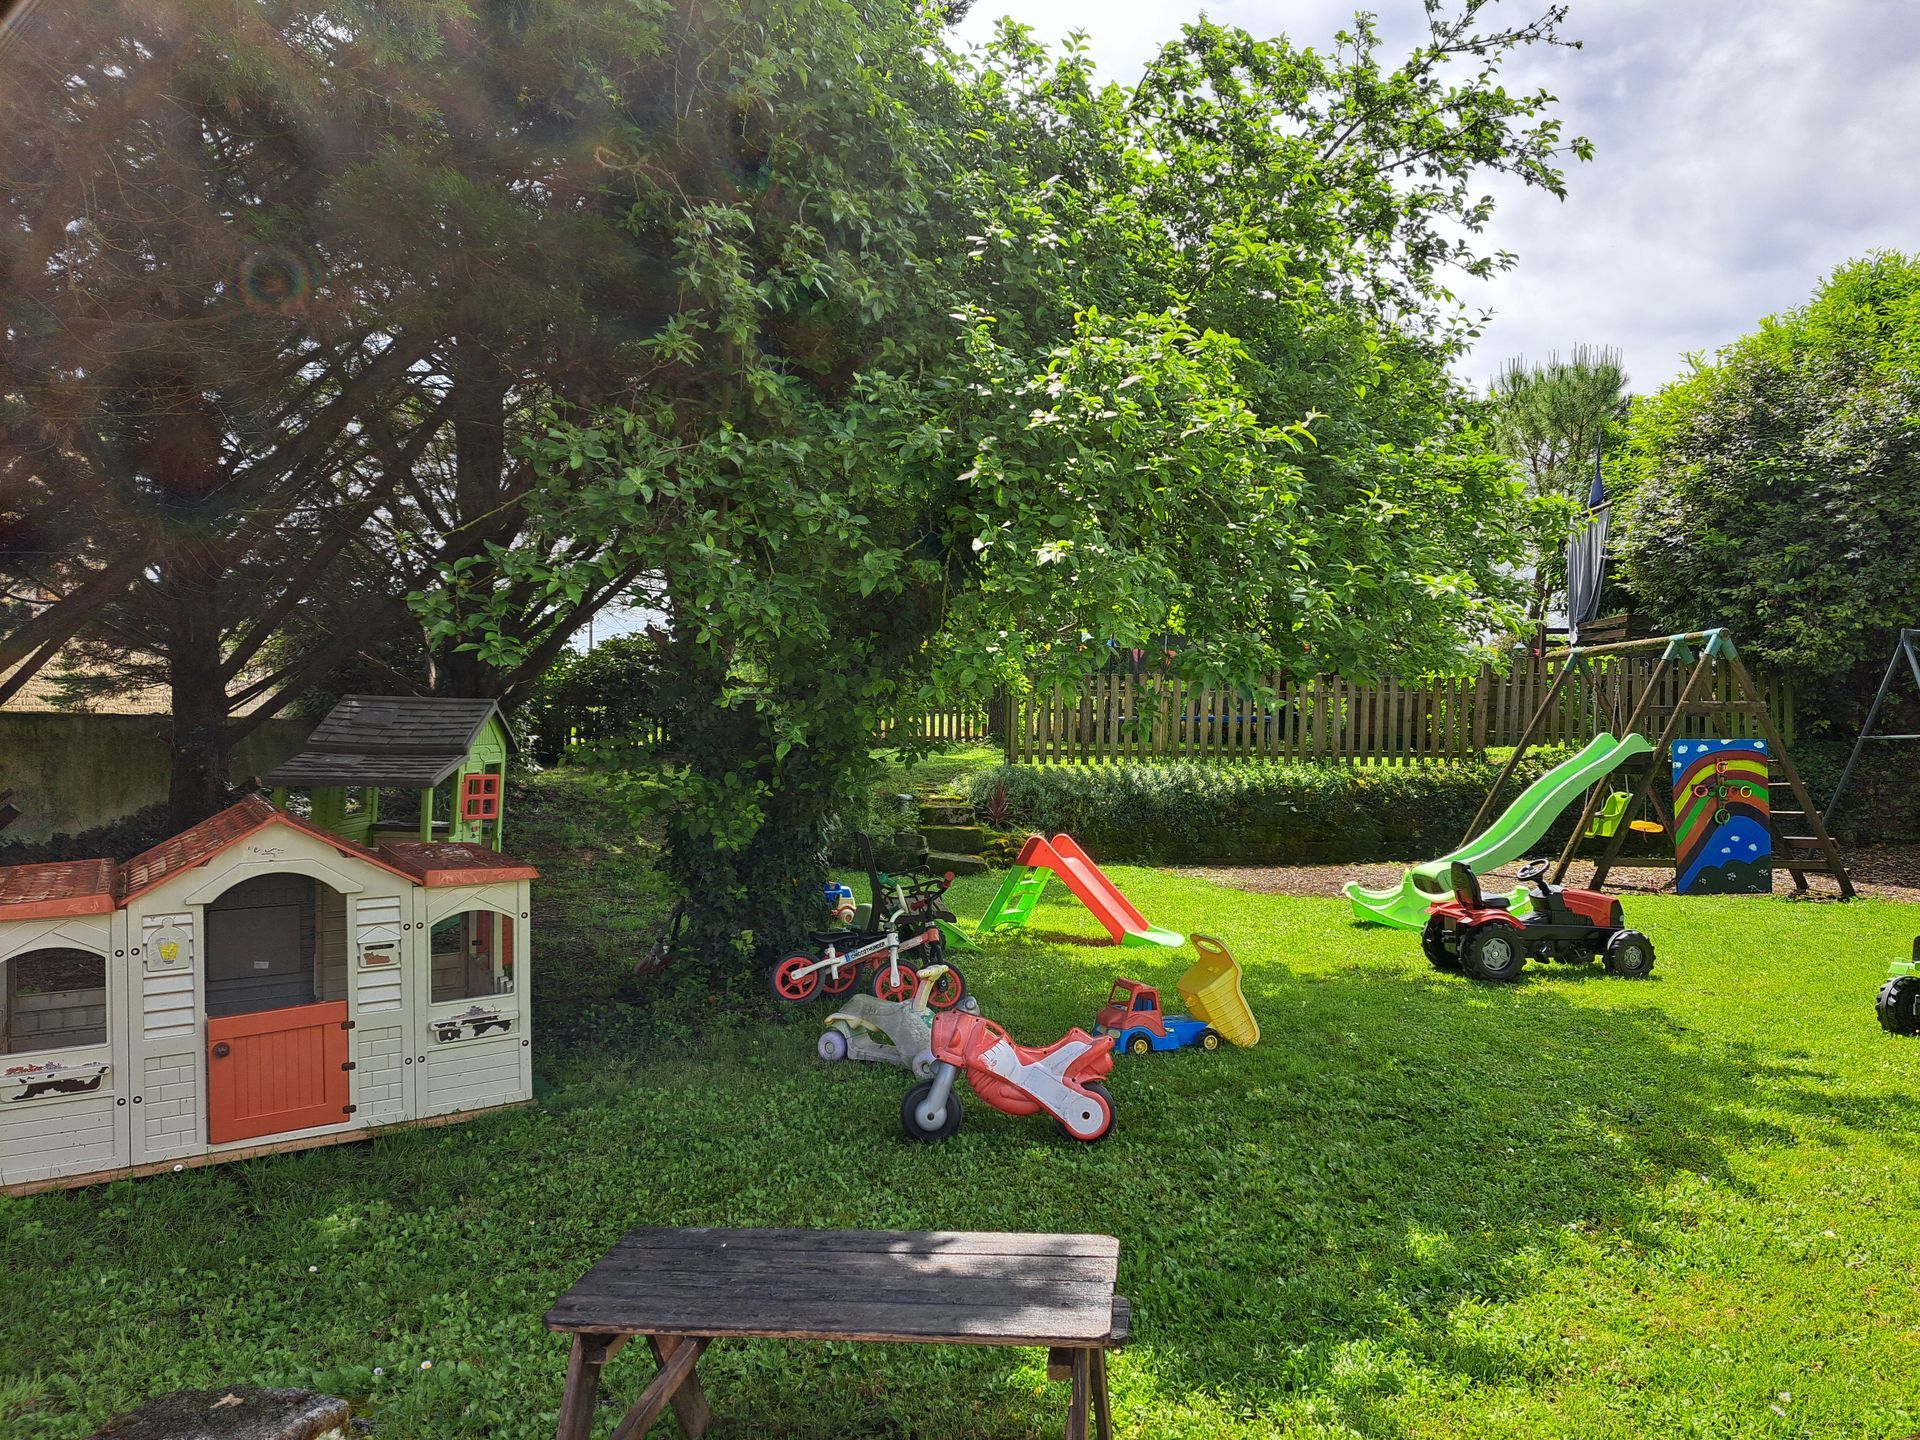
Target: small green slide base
{"points": [[956, 938], [1154, 935], [1406, 908], [1507, 839]]}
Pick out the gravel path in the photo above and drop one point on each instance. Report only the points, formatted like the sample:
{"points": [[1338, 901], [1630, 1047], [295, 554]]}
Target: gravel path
{"points": [[1889, 871]]}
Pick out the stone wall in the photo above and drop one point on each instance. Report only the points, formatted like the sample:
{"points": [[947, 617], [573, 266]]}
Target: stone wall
{"points": [[71, 772]]}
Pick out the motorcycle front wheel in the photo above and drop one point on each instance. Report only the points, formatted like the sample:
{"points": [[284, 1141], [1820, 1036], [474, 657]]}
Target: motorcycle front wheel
{"points": [[925, 1128]]}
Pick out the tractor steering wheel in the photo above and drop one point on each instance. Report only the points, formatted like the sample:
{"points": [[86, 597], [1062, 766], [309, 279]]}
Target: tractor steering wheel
{"points": [[1532, 870]]}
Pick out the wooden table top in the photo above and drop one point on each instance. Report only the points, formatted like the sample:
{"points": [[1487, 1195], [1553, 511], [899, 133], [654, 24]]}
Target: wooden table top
{"points": [[925, 1287]]}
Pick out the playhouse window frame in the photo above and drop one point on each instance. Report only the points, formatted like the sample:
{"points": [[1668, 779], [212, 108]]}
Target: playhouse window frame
{"points": [[481, 792], [9, 978], [505, 970]]}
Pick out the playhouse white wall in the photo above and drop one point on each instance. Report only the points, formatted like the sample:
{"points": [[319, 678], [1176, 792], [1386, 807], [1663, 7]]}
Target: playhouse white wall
{"points": [[411, 1059]]}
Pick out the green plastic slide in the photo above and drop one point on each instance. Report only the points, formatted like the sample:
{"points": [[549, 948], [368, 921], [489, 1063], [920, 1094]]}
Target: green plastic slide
{"points": [[1504, 841]]}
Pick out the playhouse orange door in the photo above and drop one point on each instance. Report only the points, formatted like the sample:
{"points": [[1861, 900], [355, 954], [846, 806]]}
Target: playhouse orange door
{"points": [[275, 1071]]}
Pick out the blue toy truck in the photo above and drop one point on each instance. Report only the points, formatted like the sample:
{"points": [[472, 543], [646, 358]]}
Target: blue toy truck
{"points": [[1212, 991], [1132, 1016]]}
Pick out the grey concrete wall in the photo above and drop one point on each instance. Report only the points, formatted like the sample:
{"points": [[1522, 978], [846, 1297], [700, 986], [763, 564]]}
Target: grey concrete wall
{"points": [[73, 772]]}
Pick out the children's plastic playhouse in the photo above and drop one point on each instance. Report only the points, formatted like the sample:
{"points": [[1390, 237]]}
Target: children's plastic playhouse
{"points": [[370, 744], [256, 983]]}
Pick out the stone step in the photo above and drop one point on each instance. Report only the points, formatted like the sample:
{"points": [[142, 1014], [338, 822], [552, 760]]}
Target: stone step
{"points": [[940, 862], [946, 815], [960, 839]]}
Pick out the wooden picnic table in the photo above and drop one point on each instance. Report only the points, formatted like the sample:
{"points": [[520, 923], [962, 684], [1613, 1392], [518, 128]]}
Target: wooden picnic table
{"points": [[684, 1289]]}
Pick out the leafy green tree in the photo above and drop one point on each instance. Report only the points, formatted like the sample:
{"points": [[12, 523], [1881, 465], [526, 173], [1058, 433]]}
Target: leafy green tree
{"points": [[972, 366], [1776, 489], [1551, 420]]}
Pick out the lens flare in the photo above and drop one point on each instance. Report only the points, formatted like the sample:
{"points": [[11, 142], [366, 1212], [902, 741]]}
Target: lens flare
{"points": [[274, 281]]}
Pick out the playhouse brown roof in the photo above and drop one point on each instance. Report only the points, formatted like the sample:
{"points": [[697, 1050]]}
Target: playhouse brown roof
{"points": [[200, 843], [410, 742], [65, 887], [439, 865], [95, 887]]}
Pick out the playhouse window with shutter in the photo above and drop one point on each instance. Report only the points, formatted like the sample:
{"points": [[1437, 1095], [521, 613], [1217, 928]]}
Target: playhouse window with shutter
{"points": [[480, 798]]}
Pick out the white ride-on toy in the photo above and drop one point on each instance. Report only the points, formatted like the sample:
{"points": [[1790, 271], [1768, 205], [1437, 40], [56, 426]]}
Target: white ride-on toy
{"points": [[889, 1032]]}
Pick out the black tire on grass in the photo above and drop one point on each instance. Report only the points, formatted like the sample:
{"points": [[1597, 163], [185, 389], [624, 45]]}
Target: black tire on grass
{"points": [[1493, 952], [1898, 1005], [1433, 942]]}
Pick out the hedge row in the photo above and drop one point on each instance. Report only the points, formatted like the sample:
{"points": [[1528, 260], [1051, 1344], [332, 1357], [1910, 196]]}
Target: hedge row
{"points": [[1258, 813]]}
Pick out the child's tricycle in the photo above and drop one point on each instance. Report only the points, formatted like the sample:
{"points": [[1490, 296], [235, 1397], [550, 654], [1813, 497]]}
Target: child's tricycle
{"points": [[1476, 932], [1898, 1004], [1063, 1079], [888, 1032]]}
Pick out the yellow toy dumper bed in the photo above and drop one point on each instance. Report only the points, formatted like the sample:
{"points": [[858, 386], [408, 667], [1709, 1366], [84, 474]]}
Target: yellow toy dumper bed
{"points": [[1213, 995]]}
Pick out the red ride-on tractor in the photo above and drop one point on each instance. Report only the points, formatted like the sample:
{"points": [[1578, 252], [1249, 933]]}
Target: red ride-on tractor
{"points": [[1476, 933]]}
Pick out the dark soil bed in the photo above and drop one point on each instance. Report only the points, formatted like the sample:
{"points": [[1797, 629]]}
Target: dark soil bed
{"points": [[1889, 871]]}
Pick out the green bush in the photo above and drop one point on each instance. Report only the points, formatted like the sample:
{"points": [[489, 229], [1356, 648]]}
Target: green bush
{"points": [[1259, 813], [610, 693]]}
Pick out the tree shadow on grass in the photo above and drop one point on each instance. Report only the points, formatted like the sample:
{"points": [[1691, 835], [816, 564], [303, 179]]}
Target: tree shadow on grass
{"points": [[1426, 1147]]}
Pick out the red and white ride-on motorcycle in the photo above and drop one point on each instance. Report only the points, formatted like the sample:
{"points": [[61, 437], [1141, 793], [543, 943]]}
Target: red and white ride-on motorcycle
{"points": [[1063, 1079]]}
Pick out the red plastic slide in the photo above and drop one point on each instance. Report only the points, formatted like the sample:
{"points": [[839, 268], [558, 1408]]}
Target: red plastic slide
{"points": [[1062, 856]]}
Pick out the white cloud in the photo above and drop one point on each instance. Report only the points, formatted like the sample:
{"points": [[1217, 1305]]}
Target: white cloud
{"points": [[1745, 148]]}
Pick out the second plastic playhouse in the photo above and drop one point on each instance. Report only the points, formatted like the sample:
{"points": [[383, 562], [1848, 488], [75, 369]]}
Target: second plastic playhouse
{"points": [[1040, 860]]}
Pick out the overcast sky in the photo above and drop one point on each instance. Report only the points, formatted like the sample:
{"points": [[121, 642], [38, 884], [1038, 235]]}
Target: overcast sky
{"points": [[1744, 148]]}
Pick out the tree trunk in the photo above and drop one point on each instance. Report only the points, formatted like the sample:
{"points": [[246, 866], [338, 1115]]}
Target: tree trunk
{"points": [[479, 461], [202, 742]]}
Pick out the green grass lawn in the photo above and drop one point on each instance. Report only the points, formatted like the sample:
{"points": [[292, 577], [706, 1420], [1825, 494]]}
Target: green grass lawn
{"points": [[1422, 1207]]}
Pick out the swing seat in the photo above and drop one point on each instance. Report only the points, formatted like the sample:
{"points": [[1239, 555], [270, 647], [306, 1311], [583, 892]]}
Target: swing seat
{"points": [[1647, 827], [1606, 820]]}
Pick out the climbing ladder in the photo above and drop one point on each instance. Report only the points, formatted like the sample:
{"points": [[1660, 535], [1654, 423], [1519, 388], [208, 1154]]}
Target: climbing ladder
{"points": [[1014, 902], [1904, 649]]}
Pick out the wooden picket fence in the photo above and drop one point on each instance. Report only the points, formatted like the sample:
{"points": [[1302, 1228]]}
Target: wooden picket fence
{"points": [[1135, 717], [953, 723], [950, 723]]}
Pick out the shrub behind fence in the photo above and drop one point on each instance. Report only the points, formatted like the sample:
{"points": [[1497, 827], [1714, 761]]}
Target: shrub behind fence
{"points": [[1115, 717]]}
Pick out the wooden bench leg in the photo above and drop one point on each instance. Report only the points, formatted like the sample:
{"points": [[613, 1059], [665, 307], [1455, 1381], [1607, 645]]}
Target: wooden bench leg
{"points": [[657, 1396], [1082, 1392], [583, 1385], [689, 1402], [1102, 1408]]}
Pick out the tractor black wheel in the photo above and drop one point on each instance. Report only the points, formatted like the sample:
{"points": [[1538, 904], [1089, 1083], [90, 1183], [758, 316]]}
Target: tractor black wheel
{"points": [[1493, 952], [1433, 940], [1898, 1005], [1629, 955]]}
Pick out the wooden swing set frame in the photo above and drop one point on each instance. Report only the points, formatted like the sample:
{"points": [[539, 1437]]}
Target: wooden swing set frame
{"points": [[1813, 852]]}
